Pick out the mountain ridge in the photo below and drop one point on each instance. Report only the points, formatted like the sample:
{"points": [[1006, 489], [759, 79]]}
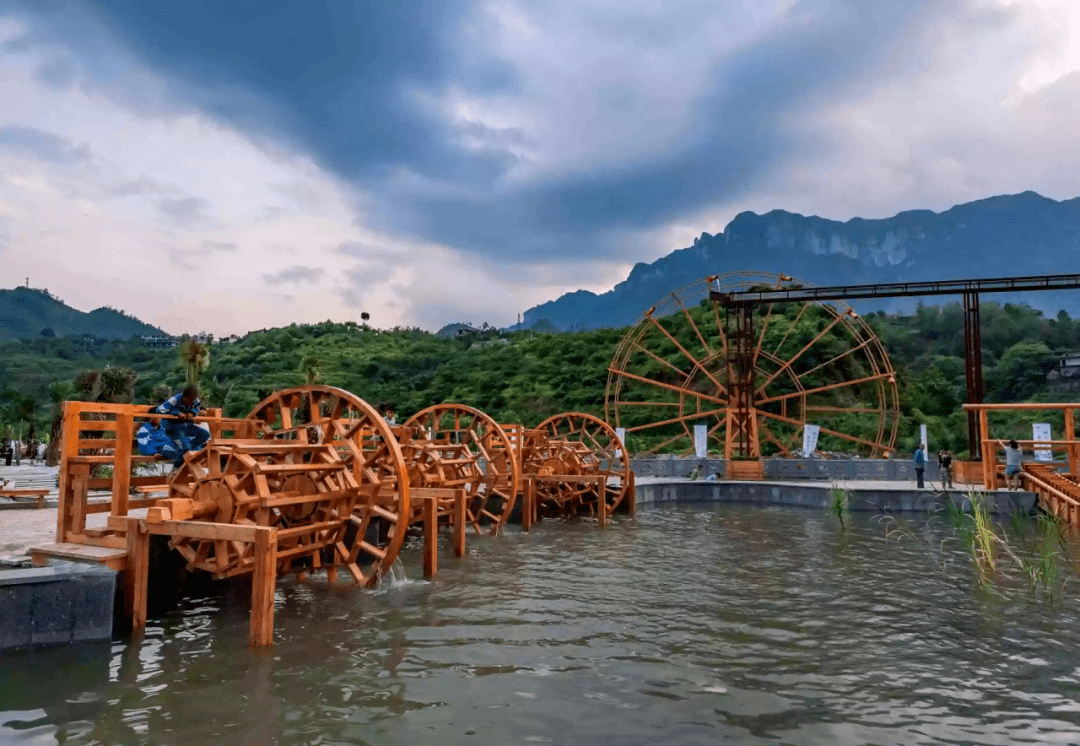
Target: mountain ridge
{"points": [[29, 313], [990, 237]]}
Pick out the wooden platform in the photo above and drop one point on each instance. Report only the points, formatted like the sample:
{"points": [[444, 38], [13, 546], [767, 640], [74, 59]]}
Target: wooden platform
{"points": [[38, 495], [115, 559]]}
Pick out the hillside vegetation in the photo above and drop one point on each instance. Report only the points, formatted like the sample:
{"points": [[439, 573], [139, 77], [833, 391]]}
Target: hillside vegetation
{"points": [[29, 313], [528, 377]]}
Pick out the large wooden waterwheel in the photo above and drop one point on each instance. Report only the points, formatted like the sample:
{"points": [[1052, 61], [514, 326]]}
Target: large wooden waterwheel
{"points": [[305, 491], [566, 453], [754, 378], [364, 442], [459, 447]]}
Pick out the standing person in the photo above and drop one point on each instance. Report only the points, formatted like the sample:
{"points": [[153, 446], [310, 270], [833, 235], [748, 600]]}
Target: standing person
{"points": [[1013, 458], [920, 465], [944, 460], [182, 431]]}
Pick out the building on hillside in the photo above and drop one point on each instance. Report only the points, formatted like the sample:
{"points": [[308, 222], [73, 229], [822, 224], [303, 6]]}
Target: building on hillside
{"points": [[452, 331], [158, 341]]}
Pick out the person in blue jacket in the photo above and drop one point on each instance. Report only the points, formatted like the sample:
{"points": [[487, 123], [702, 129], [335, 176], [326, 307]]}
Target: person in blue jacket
{"points": [[183, 431], [920, 464], [153, 441], [180, 430]]}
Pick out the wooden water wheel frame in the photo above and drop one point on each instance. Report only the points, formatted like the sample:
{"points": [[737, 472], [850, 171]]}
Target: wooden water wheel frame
{"points": [[454, 445], [304, 490], [727, 375], [578, 445], [363, 440]]}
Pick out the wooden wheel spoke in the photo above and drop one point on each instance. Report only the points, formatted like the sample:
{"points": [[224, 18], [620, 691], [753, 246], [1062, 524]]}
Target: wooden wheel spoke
{"points": [[787, 363], [693, 360], [820, 389]]}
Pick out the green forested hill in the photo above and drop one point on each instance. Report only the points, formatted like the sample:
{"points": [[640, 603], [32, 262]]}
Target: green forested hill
{"points": [[528, 377], [28, 313]]}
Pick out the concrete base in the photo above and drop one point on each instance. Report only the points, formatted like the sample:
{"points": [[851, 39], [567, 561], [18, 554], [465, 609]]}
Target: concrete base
{"points": [[64, 602], [810, 495]]}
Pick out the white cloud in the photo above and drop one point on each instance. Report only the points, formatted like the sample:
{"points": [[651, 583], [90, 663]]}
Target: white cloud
{"points": [[192, 226]]}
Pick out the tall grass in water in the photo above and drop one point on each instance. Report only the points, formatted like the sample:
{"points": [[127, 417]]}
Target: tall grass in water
{"points": [[1029, 555], [838, 504], [982, 538]]}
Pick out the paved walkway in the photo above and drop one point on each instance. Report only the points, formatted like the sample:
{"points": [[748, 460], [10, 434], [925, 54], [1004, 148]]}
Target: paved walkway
{"points": [[899, 485]]}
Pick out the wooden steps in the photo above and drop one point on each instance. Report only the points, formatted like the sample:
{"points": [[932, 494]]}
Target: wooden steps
{"points": [[115, 559]]}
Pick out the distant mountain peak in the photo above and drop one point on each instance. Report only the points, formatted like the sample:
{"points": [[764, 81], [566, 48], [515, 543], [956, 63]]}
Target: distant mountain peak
{"points": [[26, 312], [997, 236]]}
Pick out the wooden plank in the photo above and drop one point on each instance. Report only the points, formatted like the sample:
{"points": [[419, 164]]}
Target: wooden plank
{"points": [[528, 496], [263, 583], [112, 558], [122, 465], [206, 530], [1070, 435], [601, 501], [136, 576], [115, 542], [431, 534], [458, 541]]}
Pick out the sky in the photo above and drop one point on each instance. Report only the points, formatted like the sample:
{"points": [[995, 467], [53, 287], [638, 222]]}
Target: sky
{"points": [[224, 166]]}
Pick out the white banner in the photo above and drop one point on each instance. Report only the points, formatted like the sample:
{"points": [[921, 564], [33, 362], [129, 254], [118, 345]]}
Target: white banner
{"points": [[924, 442], [809, 439], [701, 441], [1041, 431], [620, 433]]}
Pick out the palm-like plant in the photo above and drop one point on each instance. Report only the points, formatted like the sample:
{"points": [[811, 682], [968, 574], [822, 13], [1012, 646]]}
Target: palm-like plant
{"points": [[310, 368], [195, 357]]}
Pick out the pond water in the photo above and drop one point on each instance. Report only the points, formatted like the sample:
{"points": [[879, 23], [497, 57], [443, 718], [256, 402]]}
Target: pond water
{"points": [[685, 625]]}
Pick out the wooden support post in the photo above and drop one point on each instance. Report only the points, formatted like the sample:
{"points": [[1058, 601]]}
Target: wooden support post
{"points": [[80, 484], [459, 523], [631, 495], [263, 584], [989, 457], [122, 464], [601, 500], [1070, 436], [431, 536], [527, 496], [136, 575]]}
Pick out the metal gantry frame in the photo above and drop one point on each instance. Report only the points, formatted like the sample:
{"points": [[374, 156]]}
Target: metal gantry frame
{"points": [[968, 289]]}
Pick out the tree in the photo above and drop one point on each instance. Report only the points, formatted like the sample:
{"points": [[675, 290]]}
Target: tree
{"points": [[1021, 371], [309, 366], [195, 357], [48, 332]]}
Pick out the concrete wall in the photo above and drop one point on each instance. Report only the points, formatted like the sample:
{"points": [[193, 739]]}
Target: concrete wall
{"points": [[820, 496], [779, 468], [64, 602]]}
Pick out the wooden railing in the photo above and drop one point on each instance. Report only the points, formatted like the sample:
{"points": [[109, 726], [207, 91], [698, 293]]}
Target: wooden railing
{"points": [[98, 452]]}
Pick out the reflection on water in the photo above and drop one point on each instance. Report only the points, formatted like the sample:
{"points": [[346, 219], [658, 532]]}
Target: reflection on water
{"points": [[686, 625]]}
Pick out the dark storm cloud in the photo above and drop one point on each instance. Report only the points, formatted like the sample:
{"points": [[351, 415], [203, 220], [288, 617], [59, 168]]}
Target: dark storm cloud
{"points": [[346, 82], [42, 145]]}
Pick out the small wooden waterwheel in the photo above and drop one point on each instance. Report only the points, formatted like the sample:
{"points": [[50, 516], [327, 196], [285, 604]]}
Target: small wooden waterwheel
{"points": [[569, 455], [305, 491], [361, 439], [459, 447]]}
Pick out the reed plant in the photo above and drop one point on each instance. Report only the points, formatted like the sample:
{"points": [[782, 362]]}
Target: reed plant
{"points": [[1033, 553], [838, 504]]}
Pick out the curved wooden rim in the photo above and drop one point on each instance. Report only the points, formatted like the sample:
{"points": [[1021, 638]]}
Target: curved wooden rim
{"points": [[614, 454], [369, 428], [431, 416]]}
